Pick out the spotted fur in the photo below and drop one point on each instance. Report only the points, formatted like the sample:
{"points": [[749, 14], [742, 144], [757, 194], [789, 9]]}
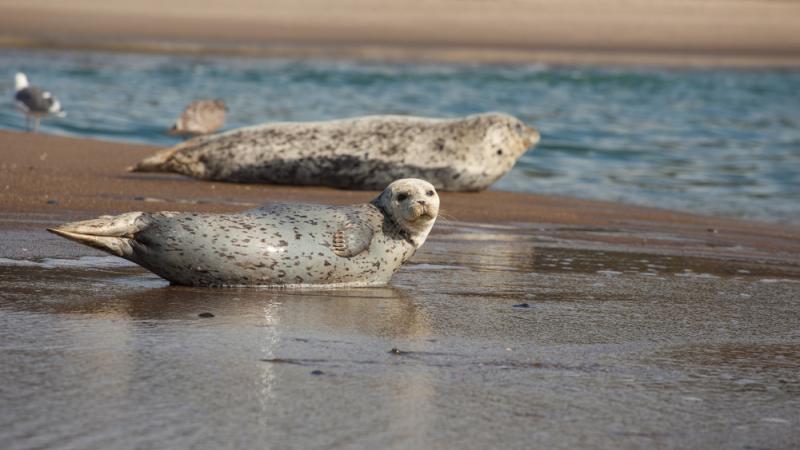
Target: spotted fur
{"points": [[276, 245], [467, 154]]}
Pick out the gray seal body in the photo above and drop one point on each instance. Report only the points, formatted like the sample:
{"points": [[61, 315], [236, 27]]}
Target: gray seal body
{"points": [[276, 245], [466, 154]]}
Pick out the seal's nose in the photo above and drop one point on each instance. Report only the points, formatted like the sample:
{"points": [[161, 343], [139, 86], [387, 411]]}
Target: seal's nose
{"points": [[422, 202], [534, 136]]}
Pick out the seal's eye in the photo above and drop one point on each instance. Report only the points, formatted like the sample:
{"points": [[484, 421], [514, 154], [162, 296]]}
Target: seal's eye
{"points": [[402, 197], [429, 193], [499, 151]]}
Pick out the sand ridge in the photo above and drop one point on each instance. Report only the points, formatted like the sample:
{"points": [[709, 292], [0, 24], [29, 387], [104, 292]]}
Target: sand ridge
{"points": [[731, 32]]}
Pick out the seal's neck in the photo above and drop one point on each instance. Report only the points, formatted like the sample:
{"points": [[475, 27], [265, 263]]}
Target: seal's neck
{"points": [[413, 237], [420, 236]]}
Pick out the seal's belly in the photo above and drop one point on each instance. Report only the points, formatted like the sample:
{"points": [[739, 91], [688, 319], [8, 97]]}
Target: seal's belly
{"points": [[240, 250]]}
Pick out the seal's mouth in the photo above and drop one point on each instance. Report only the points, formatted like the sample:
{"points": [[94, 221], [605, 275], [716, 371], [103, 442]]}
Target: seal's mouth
{"points": [[422, 213], [419, 218]]}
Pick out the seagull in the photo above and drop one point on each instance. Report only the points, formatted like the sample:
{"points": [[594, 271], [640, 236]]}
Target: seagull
{"points": [[200, 117], [34, 102]]}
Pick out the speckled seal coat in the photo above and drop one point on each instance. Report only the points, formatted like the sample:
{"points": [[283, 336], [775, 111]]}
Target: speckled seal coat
{"points": [[276, 245], [467, 154]]}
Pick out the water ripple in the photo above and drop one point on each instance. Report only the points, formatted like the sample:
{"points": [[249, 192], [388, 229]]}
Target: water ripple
{"points": [[709, 141]]}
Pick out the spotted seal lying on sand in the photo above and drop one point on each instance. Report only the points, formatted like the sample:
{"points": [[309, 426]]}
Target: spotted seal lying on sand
{"points": [[276, 245], [465, 154]]}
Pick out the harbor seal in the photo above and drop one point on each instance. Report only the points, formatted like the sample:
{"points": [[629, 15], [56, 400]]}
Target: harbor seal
{"points": [[275, 245], [467, 154]]}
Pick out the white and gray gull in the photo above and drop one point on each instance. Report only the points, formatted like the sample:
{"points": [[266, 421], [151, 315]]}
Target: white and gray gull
{"points": [[275, 245], [465, 154], [34, 102]]}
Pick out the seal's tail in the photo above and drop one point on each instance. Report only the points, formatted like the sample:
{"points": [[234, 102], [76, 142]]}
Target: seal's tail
{"points": [[155, 163], [112, 234], [182, 158]]}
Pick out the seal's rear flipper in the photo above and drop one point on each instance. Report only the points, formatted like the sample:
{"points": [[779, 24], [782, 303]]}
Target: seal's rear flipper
{"points": [[112, 234], [155, 163], [181, 158]]}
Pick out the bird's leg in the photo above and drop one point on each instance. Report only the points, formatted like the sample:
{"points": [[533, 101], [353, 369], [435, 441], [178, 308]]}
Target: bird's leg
{"points": [[27, 122], [36, 123]]}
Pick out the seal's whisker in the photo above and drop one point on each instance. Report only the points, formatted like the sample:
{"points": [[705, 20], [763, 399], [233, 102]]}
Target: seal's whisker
{"points": [[445, 218]]}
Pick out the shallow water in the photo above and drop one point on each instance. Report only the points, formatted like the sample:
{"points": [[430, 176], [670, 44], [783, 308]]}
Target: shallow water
{"points": [[712, 141], [493, 337]]}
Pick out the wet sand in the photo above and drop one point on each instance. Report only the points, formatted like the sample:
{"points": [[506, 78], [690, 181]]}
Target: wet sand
{"points": [[52, 178], [524, 321], [707, 32]]}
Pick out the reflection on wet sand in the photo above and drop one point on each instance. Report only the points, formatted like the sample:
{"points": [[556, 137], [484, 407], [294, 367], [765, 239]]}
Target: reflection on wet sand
{"points": [[134, 320], [381, 311], [737, 366], [618, 348]]}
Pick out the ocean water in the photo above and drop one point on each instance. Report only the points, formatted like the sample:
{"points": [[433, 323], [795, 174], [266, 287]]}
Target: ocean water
{"points": [[714, 141]]}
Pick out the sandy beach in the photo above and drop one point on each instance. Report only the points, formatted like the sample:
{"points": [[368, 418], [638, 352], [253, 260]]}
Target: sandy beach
{"points": [[64, 178], [674, 32], [524, 320]]}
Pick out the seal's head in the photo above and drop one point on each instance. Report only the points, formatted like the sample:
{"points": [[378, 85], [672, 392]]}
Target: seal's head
{"points": [[412, 204], [508, 137], [527, 135]]}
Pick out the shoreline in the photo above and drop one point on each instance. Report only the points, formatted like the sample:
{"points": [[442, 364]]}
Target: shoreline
{"points": [[423, 55], [734, 33], [46, 180], [622, 326]]}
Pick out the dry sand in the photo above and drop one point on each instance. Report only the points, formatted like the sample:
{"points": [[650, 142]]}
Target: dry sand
{"points": [[46, 180], [728, 32]]}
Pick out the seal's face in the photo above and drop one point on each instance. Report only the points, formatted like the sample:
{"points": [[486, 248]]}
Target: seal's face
{"points": [[508, 138], [528, 136], [412, 203]]}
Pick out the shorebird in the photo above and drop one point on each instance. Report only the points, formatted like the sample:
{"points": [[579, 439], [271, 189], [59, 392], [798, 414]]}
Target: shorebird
{"points": [[34, 102], [200, 117]]}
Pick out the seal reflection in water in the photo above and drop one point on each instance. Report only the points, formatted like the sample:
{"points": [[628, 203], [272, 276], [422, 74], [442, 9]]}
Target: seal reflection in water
{"points": [[275, 245]]}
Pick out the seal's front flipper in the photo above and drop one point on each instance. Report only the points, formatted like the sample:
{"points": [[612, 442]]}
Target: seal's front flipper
{"points": [[112, 234], [352, 238]]}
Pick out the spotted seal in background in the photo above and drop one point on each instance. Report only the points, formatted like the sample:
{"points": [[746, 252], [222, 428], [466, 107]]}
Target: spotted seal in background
{"points": [[276, 245], [467, 154]]}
